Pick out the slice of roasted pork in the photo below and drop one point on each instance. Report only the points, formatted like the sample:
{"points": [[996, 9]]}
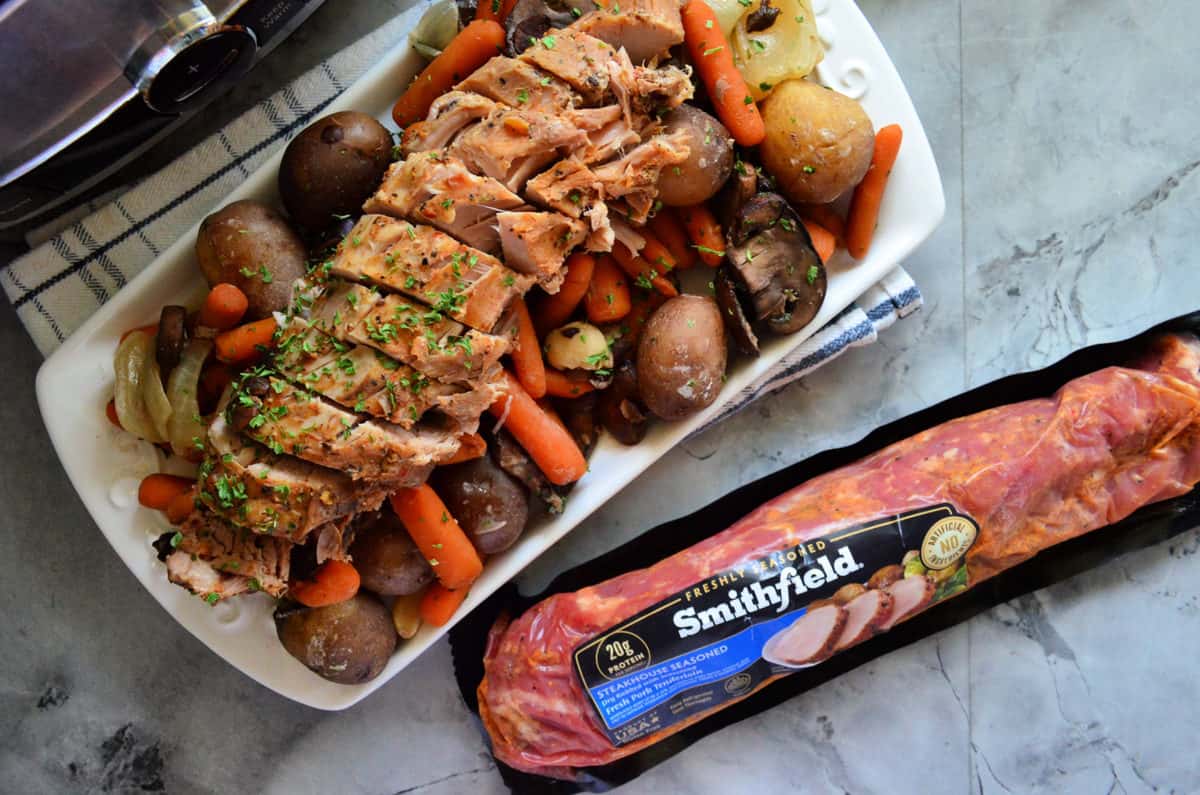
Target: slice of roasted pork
{"points": [[448, 115], [361, 378], [518, 83], [513, 144], [578, 59], [569, 187], [469, 285], [865, 615], [422, 338], [610, 132], [807, 640], [646, 92], [634, 178], [909, 595], [537, 243], [645, 28], [250, 486], [435, 188], [301, 423], [216, 560]]}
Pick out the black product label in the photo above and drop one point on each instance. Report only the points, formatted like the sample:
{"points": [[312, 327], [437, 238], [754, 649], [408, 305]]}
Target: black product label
{"points": [[719, 639]]}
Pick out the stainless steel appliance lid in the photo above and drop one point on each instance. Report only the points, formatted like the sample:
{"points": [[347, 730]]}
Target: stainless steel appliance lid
{"points": [[67, 65]]}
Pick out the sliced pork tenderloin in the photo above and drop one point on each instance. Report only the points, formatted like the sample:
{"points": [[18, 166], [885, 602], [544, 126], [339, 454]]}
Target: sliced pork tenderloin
{"points": [[250, 486], [865, 615], [469, 285], [216, 560], [434, 188], [909, 596], [537, 243], [448, 116], [809, 639], [644, 28], [301, 423], [575, 57], [633, 179], [518, 83], [422, 338], [513, 144]]}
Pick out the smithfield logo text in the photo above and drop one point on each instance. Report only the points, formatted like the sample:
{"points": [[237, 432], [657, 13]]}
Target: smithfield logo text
{"points": [[764, 593]]}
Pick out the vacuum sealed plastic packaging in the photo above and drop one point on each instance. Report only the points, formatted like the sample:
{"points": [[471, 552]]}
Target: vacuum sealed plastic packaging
{"points": [[821, 575]]}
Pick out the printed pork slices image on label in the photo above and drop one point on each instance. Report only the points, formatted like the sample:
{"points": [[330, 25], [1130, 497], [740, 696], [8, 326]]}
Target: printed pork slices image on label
{"points": [[717, 640]]}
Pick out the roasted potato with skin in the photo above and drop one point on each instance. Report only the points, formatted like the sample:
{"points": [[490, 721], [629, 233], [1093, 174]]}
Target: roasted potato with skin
{"points": [[488, 504], [819, 142], [708, 165], [681, 357], [387, 560], [249, 245], [332, 167], [349, 642]]}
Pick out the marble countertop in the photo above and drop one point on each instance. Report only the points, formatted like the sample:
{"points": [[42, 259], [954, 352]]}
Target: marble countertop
{"points": [[1065, 133]]}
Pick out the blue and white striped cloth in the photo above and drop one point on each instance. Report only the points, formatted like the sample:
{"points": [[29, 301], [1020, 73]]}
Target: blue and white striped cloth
{"points": [[64, 280]]}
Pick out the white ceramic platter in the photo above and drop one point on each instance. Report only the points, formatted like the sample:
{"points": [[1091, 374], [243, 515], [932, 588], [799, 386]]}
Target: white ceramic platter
{"points": [[105, 465]]}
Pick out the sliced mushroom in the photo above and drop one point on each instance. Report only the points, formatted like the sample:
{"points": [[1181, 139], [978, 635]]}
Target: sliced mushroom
{"points": [[530, 19], [773, 259], [513, 459], [739, 189], [762, 17], [619, 409], [172, 334], [735, 317], [579, 415]]}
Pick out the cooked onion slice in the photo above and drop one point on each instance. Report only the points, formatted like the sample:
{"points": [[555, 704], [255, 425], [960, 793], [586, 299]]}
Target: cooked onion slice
{"points": [[185, 430], [129, 363]]}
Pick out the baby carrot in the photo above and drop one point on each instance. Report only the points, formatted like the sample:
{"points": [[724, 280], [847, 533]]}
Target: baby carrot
{"points": [[156, 491], [548, 444], [561, 385], [244, 342], [666, 226], [435, 532], [643, 273], [110, 411], [607, 297], [654, 252], [704, 232], [527, 353], [181, 505], [822, 239], [554, 310], [438, 603], [466, 52], [864, 205], [825, 216], [639, 314], [334, 581], [224, 307], [713, 59], [470, 447]]}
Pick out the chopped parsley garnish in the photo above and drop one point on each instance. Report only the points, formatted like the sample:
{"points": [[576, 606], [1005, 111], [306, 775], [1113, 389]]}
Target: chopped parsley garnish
{"points": [[212, 598], [764, 86], [522, 97], [808, 169], [508, 280], [707, 250], [176, 540], [749, 100], [713, 50], [548, 42], [813, 272], [447, 203], [788, 224], [758, 45]]}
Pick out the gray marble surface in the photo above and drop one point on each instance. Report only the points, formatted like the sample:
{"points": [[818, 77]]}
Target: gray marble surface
{"points": [[1065, 132]]}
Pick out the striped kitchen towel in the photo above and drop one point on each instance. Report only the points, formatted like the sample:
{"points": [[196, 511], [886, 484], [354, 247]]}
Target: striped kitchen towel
{"points": [[64, 280]]}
